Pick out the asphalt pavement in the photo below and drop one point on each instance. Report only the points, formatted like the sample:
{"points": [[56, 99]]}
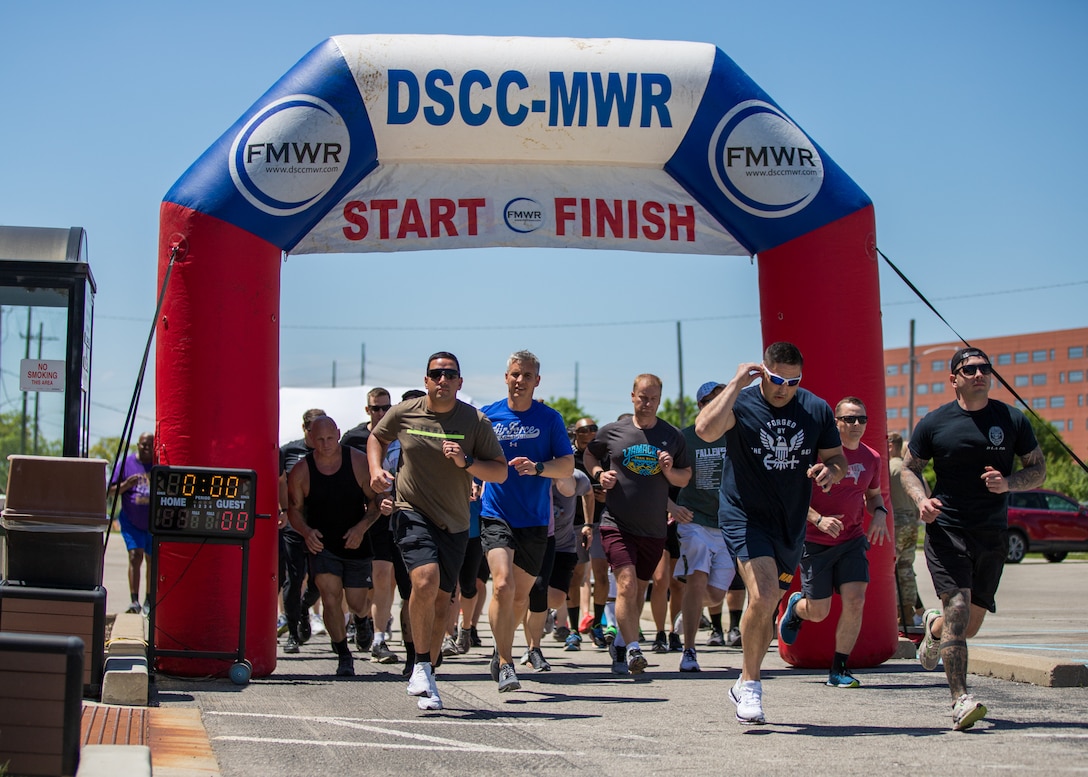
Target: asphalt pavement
{"points": [[580, 718]]}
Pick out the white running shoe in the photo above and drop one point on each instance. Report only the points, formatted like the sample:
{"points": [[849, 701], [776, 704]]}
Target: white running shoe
{"points": [[966, 712], [317, 623], [421, 681], [430, 701], [688, 663], [748, 696], [929, 650]]}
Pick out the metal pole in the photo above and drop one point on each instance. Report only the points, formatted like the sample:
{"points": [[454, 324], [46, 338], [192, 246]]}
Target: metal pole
{"points": [[22, 441], [362, 370], [576, 383], [37, 394], [680, 367], [334, 373], [910, 384]]}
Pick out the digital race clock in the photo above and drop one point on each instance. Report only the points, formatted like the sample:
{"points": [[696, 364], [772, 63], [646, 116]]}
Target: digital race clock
{"points": [[203, 502]]}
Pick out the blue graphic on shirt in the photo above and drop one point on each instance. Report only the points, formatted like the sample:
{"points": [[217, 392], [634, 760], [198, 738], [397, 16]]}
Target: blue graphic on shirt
{"points": [[642, 459]]}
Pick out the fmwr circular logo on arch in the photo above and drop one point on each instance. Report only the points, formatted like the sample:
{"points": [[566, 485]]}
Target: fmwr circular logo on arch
{"points": [[763, 162]]}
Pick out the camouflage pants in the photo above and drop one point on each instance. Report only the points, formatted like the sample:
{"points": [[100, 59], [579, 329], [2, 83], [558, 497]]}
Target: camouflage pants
{"points": [[906, 542]]}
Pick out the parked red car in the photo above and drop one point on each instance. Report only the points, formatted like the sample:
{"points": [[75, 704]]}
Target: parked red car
{"points": [[1046, 522]]}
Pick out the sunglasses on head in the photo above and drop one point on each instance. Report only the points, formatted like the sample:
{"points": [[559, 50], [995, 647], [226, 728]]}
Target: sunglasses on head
{"points": [[969, 370], [378, 408], [587, 428], [778, 380], [444, 372], [853, 419]]}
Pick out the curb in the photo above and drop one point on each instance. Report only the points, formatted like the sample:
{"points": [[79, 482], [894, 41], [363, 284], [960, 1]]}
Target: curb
{"points": [[1026, 668]]}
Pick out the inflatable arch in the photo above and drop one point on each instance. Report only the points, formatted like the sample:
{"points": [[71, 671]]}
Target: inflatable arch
{"points": [[399, 143]]}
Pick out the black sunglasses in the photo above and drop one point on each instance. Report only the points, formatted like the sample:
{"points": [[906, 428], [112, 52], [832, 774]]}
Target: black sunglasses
{"points": [[853, 419], [378, 408], [444, 372], [969, 370], [587, 428]]}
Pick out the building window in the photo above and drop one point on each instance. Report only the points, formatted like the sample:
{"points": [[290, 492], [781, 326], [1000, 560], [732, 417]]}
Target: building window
{"points": [[940, 365], [937, 388], [923, 388], [891, 391], [1021, 357], [1061, 377], [1057, 401], [1059, 425], [906, 368], [1076, 352], [893, 369], [1006, 358], [1076, 376], [1038, 379], [1020, 380], [893, 412], [1038, 356], [1039, 403], [921, 410]]}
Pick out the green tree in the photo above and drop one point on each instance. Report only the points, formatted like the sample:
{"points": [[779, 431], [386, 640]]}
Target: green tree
{"points": [[568, 408], [1063, 473]]}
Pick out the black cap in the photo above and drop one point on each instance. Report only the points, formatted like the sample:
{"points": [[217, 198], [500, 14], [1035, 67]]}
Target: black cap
{"points": [[963, 354]]}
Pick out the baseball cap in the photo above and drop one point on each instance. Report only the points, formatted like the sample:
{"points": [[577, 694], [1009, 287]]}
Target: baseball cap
{"points": [[963, 354], [705, 389]]}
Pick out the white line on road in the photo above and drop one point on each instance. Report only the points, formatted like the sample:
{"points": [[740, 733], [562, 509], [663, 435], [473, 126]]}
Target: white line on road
{"points": [[454, 747]]}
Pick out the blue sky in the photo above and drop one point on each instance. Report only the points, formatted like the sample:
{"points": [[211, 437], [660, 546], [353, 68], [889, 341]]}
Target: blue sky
{"points": [[964, 122]]}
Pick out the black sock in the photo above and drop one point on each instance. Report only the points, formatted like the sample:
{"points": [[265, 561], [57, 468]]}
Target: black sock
{"points": [[716, 621], [574, 617], [838, 666], [410, 652], [341, 648], [734, 618], [423, 658], [598, 614], [660, 636]]}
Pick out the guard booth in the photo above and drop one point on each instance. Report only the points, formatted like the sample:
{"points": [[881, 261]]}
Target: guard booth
{"points": [[46, 322]]}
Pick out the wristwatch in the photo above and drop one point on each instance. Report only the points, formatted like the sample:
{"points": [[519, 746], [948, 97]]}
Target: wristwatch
{"points": [[469, 461], [540, 468]]}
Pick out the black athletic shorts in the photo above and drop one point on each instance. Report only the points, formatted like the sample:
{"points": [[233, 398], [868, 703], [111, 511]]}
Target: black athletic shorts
{"points": [[381, 537], [563, 571], [421, 542], [529, 544], [672, 541], [470, 568], [966, 559], [353, 572], [824, 568]]}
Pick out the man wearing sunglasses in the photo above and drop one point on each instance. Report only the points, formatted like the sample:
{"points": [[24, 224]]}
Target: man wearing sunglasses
{"points": [[836, 542], [444, 444], [378, 403], [973, 443], [780, 439]]}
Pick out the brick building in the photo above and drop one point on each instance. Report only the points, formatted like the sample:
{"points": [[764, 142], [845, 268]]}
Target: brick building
{"points": [[1048, 369]]}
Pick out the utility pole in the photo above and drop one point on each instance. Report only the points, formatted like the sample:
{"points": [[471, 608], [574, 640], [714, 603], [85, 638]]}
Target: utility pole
{"points": [[334, 373], [362, 370], [680, 367], [576, 383], [910, 382], [22, 442]]}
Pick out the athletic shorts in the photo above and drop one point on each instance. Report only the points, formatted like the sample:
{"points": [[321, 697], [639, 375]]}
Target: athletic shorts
{"points": [[353, 572], [538, 594], [581, 550], [747, 540], [135, 539], [563, 570], [381, 537], [470, 568], [421, 542], [961, 559], [596, 549], [672, 541], [824, 568], [624, 549], [702, 549], [529, 544]]}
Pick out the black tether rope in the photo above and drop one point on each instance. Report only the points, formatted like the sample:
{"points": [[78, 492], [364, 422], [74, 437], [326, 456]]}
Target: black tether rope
{"points": [[1001, 380], [130, 419]]}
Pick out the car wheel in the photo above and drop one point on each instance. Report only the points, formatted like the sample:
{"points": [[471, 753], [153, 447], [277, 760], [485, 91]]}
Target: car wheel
{"points": [[1018, 546], [1055, 557]]}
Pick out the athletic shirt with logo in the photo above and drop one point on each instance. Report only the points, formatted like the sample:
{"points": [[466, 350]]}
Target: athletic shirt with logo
{"points": [[638, 503], [961, 445], [538, 434], [700, 495], [768, 453], [847, 497]]}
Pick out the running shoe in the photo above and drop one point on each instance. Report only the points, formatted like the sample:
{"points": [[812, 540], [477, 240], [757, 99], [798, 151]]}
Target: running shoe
{"points": [[430, 700], [291, 645], [732, 639], [574, 642], [317, 623], [597, 633], [619, 659], [349, 630], [688, 662], [538, 662], [661, 644], [381, 654], [364, 633], [345, 666], [675, 645], [508, 679], [704, 622], [524, 660], [561, 633], [304, 628], [549, 622], [493, 666], [929, 649], [449, 647], [636, 662], [464, 640], [421, 681], [609, 634], [748, 696], [790, 623], [474, 638], [842, 679], [281, 621], [966, 712], [716, 639], [586, 623], [135, 608]]}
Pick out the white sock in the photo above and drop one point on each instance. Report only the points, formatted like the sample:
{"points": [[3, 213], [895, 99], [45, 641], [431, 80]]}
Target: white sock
{"points": [[633, 646]]}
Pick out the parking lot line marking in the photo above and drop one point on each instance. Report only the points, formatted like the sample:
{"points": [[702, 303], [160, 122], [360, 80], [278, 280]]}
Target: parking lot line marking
{"points": [[427, 721], [452, 747]]}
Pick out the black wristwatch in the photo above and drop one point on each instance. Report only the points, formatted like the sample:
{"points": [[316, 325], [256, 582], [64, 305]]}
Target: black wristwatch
{"points": [[469, 461], [540, 468]]}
